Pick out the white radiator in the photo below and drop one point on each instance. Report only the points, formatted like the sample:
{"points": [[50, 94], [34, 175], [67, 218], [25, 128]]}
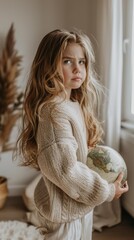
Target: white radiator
{"points": [[127, 151]]}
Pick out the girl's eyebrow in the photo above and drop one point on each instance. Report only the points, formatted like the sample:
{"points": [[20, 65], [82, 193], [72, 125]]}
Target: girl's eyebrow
{"points": [[68, 57]]}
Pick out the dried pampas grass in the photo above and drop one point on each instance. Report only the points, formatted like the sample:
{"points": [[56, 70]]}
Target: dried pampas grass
{"points": [[10, 97]]}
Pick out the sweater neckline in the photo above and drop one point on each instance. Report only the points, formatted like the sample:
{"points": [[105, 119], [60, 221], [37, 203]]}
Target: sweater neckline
{"points": [[68, 101]]}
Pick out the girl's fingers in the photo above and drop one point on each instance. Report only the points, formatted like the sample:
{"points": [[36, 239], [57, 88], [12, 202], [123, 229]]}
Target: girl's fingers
{"points": [[125, 186], [120, 177]]}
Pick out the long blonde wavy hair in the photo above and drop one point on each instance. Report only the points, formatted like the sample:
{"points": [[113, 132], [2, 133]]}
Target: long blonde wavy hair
{"points": [[45, 82]]}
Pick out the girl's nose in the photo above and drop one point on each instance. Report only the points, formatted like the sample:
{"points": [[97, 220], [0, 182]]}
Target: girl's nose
{"points": [[76, 68]]}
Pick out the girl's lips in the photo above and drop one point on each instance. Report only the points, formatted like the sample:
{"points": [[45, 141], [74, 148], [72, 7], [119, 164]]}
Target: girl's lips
{"points": [[77, 79]]}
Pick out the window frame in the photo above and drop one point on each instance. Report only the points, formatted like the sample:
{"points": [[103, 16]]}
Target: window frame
{"points": [[128, 15]]}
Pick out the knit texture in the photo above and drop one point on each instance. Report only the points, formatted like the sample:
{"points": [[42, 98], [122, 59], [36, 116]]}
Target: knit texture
{"points": [[68, 189]]}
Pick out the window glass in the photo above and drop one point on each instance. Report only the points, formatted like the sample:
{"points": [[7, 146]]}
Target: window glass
{"points": [[132, 92], [128, 62]]}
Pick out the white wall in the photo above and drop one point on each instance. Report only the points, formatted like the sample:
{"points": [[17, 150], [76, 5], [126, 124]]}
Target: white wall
{"points": [[27, 17], [32, 20]]}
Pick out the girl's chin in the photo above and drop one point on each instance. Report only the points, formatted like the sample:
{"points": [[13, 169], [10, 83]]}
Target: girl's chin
{"points": [[75, 86]]}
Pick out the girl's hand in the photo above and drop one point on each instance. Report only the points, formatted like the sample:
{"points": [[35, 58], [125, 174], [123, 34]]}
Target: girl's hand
{"points": [[119, 188]]}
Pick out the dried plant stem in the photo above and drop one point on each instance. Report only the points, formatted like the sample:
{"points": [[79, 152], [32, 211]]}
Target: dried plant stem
{"points": [[10, 97]]}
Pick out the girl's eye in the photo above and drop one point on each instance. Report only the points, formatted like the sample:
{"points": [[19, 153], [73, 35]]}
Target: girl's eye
{"points": [[82, 62], [70, 61], [67, 61]]}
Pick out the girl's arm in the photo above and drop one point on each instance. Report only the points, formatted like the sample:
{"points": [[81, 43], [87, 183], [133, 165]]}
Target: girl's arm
{"points": [[58, 162]]}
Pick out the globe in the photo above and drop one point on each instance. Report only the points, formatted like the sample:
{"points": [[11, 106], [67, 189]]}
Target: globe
{"points": [[107, 162]]}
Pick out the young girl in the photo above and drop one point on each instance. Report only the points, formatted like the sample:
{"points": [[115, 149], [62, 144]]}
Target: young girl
{"points": [[59, 127]]}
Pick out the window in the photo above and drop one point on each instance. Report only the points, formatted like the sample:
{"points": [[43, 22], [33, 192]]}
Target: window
{"points": [[132, 92], [128, 62]]}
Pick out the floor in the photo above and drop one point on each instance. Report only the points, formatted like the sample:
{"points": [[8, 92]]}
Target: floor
{"points": [[15, 209], [122, 231]]}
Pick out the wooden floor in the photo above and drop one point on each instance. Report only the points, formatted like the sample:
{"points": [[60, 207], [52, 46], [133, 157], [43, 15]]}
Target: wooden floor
{"points": [[14, 209], [122, 231]]}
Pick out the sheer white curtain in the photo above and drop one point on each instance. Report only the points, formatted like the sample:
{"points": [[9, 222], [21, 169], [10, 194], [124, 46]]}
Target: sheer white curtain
{"points": [[110, 39]]}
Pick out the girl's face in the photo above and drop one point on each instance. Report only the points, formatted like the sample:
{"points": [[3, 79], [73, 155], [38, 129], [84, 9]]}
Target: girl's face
{"points": [[73, 67]]}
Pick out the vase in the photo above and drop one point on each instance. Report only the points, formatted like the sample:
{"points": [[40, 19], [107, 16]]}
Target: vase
{"points": [[3, 191]]}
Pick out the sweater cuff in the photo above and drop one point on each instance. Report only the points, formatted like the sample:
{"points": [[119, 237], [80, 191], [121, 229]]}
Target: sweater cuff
{"points": [[111, 192]]}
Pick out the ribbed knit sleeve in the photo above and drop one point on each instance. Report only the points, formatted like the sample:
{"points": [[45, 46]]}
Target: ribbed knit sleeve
{"points": [[59, 163]]}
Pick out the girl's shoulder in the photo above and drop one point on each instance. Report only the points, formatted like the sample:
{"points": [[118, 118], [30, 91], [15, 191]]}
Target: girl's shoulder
{"points": [[52, 107], [58, 106]]}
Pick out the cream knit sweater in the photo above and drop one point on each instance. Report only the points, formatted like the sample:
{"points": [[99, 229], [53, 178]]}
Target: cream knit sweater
{"points": [[68, 189]]}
